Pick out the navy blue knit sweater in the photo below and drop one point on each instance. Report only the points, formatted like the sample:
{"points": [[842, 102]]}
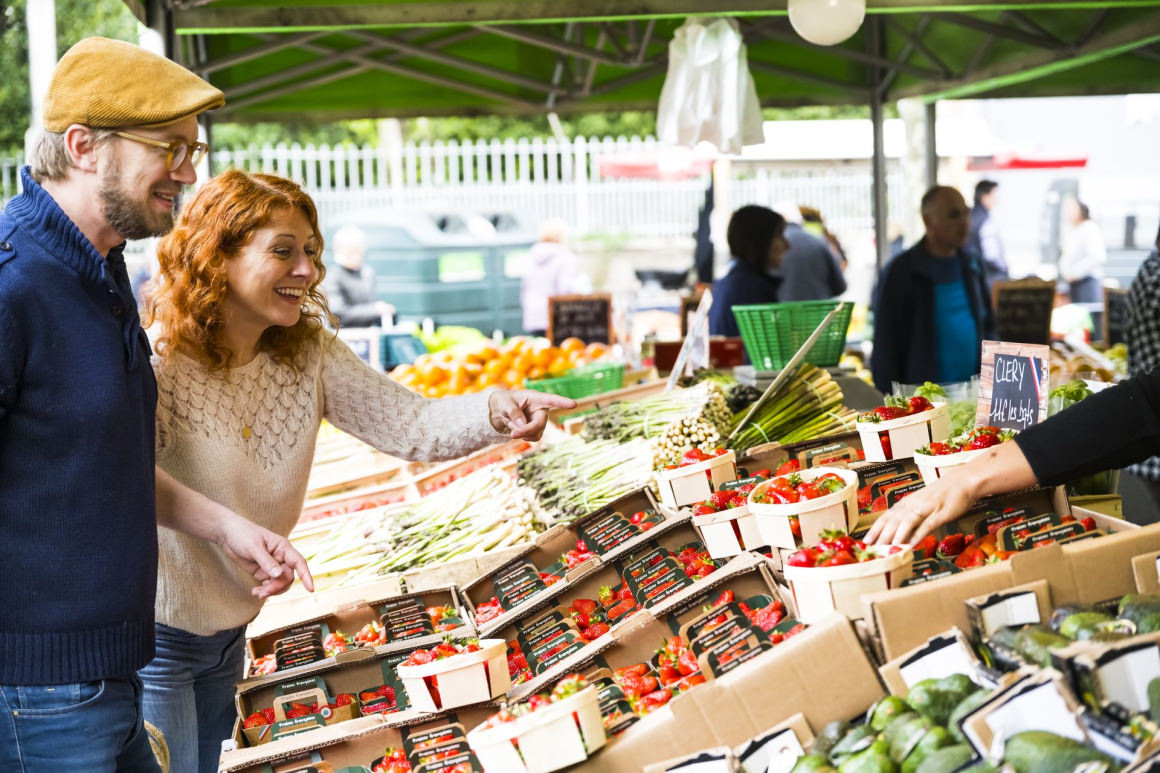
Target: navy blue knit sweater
{"points": [[78, 530]]}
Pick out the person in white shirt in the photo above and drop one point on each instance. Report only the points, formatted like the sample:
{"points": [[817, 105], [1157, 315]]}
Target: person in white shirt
{"points": [[1083, 254]]}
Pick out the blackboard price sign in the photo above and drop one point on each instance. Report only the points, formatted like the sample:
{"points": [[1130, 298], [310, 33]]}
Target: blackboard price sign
{"points": [[1023, 310], [1115, 316], [587, 317], [1013, 385]]}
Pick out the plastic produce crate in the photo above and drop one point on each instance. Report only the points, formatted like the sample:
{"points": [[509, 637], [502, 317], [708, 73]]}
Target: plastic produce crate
{"points": [[582, 381], [773, 332]]}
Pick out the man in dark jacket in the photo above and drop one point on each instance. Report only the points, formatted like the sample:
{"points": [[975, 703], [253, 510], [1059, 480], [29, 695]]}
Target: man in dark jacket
{"points": [[350, 285], [932, 308]]}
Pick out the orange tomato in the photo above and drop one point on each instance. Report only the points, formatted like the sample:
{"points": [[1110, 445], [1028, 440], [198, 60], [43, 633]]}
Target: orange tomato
{"points": [[513, 378], [596, 350]]}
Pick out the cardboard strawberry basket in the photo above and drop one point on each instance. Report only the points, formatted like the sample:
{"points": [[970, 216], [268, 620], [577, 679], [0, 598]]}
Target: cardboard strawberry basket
{"points": [[298, 706], [553, 737], [458, 680], [898, 438], [693, 483], [821, 590], [838, 510]]}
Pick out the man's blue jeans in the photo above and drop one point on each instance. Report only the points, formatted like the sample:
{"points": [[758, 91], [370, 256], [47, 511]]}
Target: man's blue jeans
{"points": [[91, 726], [189, 694]]}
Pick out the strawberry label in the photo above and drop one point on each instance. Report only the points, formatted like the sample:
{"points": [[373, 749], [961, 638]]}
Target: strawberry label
{"points": [[608, 532], [992, 521], [894, 495], [729, 653], [733, 485], [1010, 538], [1052, 535], [517, 584], [435, 736], [930, 569], [829, 455], [882, 485]]}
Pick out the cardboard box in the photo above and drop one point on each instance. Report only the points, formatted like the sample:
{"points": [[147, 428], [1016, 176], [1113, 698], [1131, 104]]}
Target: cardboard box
{"points": [[1039, 700], [403, 628], [718, 760], [462, 571], [777, 749], [608, 533], [1146, 570], [942, 655], [1017, 606], [349, 744], [903, 619], [280, 613], [797, 676]]}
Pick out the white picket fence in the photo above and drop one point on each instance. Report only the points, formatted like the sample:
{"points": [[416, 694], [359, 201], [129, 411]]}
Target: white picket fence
{"points": [[537, 178]]}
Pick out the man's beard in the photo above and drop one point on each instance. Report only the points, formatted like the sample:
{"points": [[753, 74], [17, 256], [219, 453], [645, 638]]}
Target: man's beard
{"points": [[130, 218]]}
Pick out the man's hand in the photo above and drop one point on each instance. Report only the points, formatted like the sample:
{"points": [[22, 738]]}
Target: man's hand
{"points": [[271, 559], [523, 413]]}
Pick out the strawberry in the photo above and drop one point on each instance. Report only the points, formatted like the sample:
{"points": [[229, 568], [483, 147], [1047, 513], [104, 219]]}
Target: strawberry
{"points": [[836, 539], [864, 498], [594, 631], [606, 596], [721, 498], [951, 545], [879, 504], [926, 547], [1088, 524], [637, 517], [584, 606], [269, 715], [768, 616], [981, 441], [971, 557], [941, 449], [344, 699], [918, 404], [704, 508], [838, 558], [298, 710], [789, 467], [257, 719], [803, 557]]}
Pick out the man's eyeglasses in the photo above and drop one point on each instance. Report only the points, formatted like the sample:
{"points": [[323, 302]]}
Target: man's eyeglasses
{"points": [[178, 150]]}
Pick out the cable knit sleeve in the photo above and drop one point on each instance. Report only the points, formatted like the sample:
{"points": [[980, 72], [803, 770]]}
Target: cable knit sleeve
{"points": [[395, 420]]}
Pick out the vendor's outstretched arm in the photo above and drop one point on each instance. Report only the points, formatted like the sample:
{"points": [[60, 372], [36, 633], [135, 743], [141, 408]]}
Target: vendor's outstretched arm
{"points": [[1002, 468], [270, 558]]}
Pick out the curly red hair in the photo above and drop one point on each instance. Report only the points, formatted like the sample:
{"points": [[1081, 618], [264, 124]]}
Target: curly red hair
{"points": [[187, 294]]}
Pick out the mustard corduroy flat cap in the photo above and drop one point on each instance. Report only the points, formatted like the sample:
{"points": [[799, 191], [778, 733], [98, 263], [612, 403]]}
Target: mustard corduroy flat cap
{"points": [[110, 83]]}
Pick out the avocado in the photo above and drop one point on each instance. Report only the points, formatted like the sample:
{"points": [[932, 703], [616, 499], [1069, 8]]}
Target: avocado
{"points": [[868, 761], [908, 736], [1082, 625], [1007, 636], [1036, 751], [857, 739], [965, 707], [810, 764], [1154, 699], [1036, 643], [935, 738], [936, 698], [1141, 609], [830, 735], [885, 710], [896, 725], [1062, 612], [947, 759]]}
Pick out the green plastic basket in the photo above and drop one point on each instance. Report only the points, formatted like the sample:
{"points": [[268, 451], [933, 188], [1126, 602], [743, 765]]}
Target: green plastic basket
{"points": [[582, 381], [772, 332]]}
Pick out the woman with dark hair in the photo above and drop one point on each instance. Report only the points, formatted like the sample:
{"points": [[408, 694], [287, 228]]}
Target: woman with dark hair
{"points": [[757, 242], [1083, 254], [246, 372]]}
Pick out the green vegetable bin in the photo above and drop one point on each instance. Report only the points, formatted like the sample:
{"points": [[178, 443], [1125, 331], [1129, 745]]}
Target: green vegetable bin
{"points": [[582, 381], [773, 332]]}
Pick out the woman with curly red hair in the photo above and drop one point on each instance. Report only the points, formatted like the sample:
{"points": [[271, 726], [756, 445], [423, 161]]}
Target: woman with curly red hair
{"points": [[246, 372]]}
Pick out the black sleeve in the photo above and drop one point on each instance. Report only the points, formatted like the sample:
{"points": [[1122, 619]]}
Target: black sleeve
{"points": [[1109, 430]]}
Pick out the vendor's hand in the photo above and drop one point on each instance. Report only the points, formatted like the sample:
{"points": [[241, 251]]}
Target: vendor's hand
{"points": [[523, 413], [922, 512], [271, 559]]}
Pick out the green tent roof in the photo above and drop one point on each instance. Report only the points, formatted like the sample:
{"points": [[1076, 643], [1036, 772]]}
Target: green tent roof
{"points": [[295, 59]]}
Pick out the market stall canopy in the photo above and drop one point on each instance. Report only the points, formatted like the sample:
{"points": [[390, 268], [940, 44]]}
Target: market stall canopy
{"points": [[316, 60]]}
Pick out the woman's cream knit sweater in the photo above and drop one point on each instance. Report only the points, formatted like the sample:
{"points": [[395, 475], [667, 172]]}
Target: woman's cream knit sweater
{"points": [[245, 438]]}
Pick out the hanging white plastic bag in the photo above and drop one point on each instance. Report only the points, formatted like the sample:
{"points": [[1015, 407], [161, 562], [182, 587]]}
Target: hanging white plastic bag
{"points": [[708, 93]]}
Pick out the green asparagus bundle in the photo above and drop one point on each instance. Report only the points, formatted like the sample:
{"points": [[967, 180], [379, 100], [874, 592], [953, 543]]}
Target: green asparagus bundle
{"points": [[576, 476], [483, 511], [806, 406], [650, 416]]}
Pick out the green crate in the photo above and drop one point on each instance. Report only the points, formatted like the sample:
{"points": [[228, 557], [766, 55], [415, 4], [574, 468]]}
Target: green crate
{"points": [[582, 381], [772, 332]]}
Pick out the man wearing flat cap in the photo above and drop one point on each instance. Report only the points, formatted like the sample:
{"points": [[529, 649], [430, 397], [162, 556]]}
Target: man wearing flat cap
{"points": [[80, 498]]}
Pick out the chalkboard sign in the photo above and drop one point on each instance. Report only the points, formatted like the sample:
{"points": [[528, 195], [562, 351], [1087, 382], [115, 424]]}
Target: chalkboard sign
{"points": [[1115, 316], [1023, 310], [1013, 385], [587, 317]]}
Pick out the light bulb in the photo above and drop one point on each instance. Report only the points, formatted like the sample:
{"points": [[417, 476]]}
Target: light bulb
{"points": [[826, 22]]}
